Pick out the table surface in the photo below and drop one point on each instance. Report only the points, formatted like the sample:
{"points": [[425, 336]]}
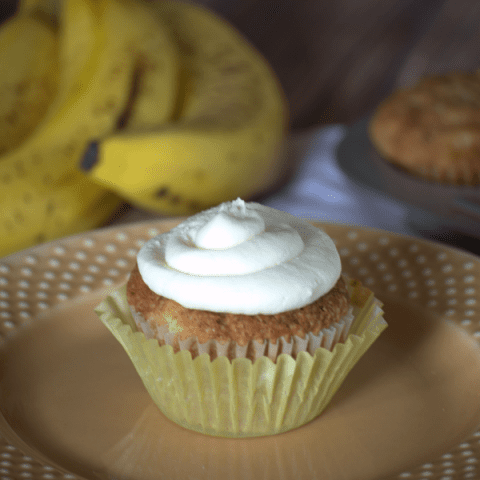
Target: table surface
{"points": [[337, 60]]}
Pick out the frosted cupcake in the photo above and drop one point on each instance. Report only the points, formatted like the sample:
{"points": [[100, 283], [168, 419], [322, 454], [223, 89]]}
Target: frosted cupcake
{"points": [[240, 322]]}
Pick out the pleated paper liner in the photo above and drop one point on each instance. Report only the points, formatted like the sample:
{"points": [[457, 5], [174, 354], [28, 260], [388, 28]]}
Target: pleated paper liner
{"points": [[326, 338], [241, 398]]}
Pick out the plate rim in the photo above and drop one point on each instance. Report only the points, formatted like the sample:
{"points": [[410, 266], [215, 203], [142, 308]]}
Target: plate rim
{"points": [[144, 226]]}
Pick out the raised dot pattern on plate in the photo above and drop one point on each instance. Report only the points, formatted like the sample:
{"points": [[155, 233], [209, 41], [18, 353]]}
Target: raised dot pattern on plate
{"points": [[427, 276], [15, 465], [42, 278], [53, 273], [430, 276], [433, 277], [459, 463]]}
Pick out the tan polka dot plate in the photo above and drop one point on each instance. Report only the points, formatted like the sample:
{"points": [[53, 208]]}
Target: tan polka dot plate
{"points": [[71, 405]]}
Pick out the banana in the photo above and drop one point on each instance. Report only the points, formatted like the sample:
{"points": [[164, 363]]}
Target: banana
{"points": [[42, 192], [157, 75], [227, 132], [156, 66], [30, 173], [29, 47]]}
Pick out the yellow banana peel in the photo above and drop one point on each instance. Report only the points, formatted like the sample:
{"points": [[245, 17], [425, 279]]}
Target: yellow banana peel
{"points": [[43, 194], [29, 77], [31, 216], [155, 85], [226, 138]]}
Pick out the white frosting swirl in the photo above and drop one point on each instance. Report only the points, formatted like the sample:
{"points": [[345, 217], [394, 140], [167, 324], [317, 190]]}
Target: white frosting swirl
{"points": [[241, 258]]}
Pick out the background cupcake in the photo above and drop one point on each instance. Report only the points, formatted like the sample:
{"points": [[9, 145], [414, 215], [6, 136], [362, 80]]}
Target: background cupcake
{"points": [[433, 128]]}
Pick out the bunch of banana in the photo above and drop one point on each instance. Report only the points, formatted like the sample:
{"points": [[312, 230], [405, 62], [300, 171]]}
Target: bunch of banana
{"points": [[225, 138], [43, 194], [183, 113]]}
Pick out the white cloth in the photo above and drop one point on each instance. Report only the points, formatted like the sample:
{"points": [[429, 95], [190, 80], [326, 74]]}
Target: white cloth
{"points": [[321, 191]]}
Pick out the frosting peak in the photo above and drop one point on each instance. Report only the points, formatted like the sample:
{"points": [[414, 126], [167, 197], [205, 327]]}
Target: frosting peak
{"points": [[241, 258], [233, 224], [232, 241]]}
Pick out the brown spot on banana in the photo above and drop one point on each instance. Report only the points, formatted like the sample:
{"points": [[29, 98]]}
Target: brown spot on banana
{"points": [[18, 217], [11, 118], [135, 82], [194, 206], [162, 192], [6, 178], [20, 169], [106, 107], [51, 207], [47, 180], [199, 175], [69, 149]]}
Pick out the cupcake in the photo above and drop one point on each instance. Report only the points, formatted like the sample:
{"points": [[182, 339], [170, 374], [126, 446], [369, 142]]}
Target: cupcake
{"points": [[432, 130], [240, 322]]}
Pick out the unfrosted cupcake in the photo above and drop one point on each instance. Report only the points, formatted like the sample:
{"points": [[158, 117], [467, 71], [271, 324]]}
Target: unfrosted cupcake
{"points": [[432, 129], [239, 320]]}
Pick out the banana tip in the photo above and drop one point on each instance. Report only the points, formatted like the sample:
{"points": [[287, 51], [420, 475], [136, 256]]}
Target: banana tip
{"points": [[90, 157]]}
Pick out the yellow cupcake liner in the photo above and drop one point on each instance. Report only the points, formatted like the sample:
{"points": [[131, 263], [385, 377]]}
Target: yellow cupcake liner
{"points": [[254, 349], [241, 398]]}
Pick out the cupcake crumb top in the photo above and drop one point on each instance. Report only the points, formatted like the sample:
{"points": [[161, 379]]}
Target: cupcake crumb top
{"points": [[240, 328]]}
